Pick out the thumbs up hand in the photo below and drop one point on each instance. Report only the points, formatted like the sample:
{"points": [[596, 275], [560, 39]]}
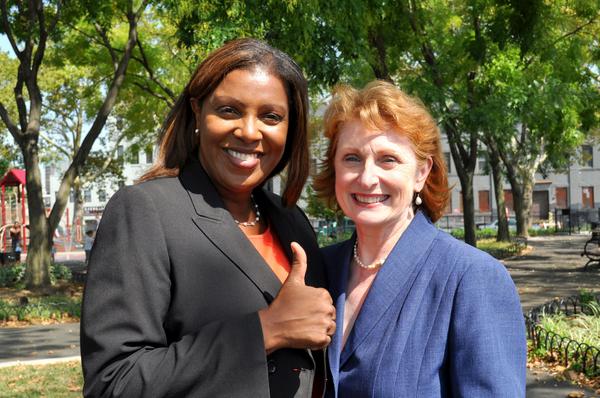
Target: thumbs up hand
{"points": [[300, 316]]}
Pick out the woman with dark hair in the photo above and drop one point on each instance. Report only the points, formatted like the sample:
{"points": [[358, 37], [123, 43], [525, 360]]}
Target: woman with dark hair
{"points": [[195, 287], [420, 314]]}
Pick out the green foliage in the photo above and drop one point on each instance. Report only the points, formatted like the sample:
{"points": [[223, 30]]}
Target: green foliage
{"points": [[59, 272], [330, 239], [581, 327], [11, 275], [41, 308], [500, 250], [316, 208]]}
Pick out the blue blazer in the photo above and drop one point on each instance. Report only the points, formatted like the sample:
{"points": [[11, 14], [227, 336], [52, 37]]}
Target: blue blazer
{"points": [[442, 319]]}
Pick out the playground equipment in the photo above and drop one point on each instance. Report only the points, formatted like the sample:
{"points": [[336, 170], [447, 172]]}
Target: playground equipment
{"points": [[14, 180]]}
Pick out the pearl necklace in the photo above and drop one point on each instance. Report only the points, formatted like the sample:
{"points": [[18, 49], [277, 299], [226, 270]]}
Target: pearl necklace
{"points": [[256, 220], [374, 265]]}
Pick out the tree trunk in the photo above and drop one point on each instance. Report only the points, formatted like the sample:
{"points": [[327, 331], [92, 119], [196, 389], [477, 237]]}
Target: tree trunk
{"points": [[37, 273], [497, 175], [77, 219], [526, 199], [466, 184]]}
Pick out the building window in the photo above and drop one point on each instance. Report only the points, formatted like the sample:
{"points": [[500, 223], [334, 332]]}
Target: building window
{"points": [[87, 195], [508, 200], [101, 195], [149, 156], [587, 197], [47, 177], [561, 198], [135, 157], [482, 166], [484, 201], [587, 156], [448, 160]]}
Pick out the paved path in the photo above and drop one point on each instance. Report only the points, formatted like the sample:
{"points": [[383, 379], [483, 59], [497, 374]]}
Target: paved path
{"points": [[551, 269], [38, 343]]}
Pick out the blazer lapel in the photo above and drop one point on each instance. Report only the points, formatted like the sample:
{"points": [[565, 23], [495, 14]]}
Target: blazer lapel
{"points": [[218, 226], [393, 281], [339, 281]]}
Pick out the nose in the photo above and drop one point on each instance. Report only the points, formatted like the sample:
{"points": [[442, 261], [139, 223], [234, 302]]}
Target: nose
{"points": [[248, 130], [368, 175]]}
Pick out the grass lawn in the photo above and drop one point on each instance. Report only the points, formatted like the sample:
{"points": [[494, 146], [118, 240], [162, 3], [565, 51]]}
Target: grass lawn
{"points": [[52, 381]]}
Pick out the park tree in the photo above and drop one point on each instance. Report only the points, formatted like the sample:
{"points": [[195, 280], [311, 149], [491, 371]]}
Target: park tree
{"points": [[73, 85], [541, 99], [31, 28]]}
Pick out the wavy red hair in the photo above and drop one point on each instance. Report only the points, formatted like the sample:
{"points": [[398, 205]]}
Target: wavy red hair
{"points": [[381, 105]]}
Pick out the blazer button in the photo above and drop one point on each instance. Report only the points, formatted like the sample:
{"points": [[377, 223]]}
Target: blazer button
{"points": [[271, 367]]}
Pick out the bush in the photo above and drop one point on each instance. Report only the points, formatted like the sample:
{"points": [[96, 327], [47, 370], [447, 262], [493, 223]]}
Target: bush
{"points": [[582, 328], [59, 272], [10, 276], [41, 308]]}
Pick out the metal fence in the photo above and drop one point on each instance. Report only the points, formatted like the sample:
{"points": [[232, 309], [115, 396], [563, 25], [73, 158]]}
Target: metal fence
{"points": [[566, 350], [575, 220]]}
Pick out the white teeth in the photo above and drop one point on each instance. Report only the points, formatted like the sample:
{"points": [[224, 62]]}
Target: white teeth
{"points": [[241, 155], [370, 199]]}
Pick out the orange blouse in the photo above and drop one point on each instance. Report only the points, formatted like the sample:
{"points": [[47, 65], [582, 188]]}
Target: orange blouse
{"points": [[269, 248]]}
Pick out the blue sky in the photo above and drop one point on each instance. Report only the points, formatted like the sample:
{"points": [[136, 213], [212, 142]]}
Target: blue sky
{"points": [[4, 44]]}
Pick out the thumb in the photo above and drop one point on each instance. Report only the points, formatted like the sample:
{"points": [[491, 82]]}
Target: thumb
{"points": [[298, 271]]}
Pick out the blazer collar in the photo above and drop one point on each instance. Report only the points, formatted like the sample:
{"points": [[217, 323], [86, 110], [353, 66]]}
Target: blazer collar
{"points": [[391, 285], [217, 224]]}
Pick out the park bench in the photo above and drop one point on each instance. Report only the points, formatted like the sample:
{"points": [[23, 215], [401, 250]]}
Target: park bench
{"points": [[592, 247]]}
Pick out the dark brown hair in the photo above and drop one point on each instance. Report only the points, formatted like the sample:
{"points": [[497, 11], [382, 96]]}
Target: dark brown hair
{"points": [[381, 105], [178, 143]]}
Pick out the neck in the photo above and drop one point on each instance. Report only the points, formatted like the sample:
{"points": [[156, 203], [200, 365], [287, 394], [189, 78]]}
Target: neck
{"points": [[376, 242]]}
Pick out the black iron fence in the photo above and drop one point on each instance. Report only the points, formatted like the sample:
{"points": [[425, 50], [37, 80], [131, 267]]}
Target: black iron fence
{"points": [[568, 351], [575, 220]]}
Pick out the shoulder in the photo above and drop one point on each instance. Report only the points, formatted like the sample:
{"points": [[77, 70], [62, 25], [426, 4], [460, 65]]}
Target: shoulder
{"points": [[473, 268], [163, 186]]}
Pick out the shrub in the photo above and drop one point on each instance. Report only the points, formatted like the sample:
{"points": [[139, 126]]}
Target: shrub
{"points": [[41, 308], [59, 272], [11, 275]]}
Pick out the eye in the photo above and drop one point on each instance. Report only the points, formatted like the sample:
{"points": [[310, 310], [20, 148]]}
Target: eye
{"points": [[389, 159], [228, 111], [272, 118], [351, 158]]}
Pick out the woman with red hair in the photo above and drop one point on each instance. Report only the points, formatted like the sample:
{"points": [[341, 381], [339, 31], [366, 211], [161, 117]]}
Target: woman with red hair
{"points": [[419, 313]]}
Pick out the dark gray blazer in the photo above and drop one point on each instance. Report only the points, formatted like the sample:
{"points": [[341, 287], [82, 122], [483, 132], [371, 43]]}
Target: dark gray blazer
{"points": [[172, 294]]}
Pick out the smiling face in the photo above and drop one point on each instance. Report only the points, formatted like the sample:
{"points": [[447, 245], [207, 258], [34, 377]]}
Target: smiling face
{"points": [[376, 176], [243, 126]]}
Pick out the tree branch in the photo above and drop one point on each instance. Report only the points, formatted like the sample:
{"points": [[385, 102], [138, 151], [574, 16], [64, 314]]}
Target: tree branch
{"points": [[55, 144], [12, 127], [148, 68], [107, 45]]}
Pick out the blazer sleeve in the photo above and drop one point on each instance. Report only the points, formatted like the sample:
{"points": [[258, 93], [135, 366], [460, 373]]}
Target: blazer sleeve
{"points": [[488, 351], [124, 347]]}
